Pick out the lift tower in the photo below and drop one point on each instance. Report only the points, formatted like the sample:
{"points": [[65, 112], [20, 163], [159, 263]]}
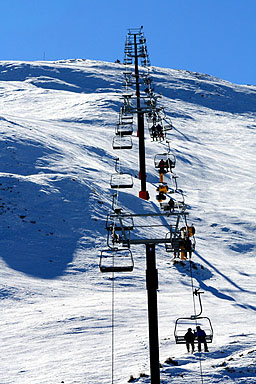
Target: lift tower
{"points": [[135, 48]]}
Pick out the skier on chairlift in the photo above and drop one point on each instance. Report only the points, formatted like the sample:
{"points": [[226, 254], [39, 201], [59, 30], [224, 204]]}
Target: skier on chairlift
{"points": [[162, 166], [190, 340], [160, 132], [171, 204], [154, 132], [201, 338]]}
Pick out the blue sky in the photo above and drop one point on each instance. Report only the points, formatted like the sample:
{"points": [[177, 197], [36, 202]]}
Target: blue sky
{"points": [[216, 37]]}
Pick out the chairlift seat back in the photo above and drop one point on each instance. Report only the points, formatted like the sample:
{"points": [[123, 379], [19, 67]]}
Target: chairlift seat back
{"points": [[121, 180], [116, 260], [124, 129], [122, 142]]}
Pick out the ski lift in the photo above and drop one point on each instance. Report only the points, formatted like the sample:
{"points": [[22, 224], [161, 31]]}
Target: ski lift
{"points": [[168, 206], [128, 61], [119, 226], [127, 73], [162, 188], [156, 131], [179, 205], [123, 142], [153, 117], [126, 119], [165, 162], [116, 260], [179, 246], [121, 180], [183, 323], [182, 241], [124, 128], [178, 197], [125, 115], [160, 197]]}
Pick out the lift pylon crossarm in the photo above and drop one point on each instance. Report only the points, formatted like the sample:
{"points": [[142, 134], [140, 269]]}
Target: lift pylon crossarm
{"points": [[145, 241], [146, 215], [119, 223]]}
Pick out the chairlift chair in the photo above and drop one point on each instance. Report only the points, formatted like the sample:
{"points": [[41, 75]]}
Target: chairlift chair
{"points": [[123, 142], [183, 323], [168, 206], [182, 241], [127, 95], [169, 160], [178, 196], [119, 228], [125, 119], [178, 200], [127, 61], [121, 180], [123, 129], [169, 236], [116, 260], [179, 246], [127, 73], [162, 188], [156, 131], [118, 238], [153, 117]]}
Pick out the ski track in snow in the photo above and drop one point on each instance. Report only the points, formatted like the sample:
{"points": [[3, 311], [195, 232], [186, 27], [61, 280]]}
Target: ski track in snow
{"points": [[57, 123]]}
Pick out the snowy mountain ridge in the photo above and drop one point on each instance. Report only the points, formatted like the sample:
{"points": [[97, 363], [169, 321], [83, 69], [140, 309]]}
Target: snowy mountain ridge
{"points": [[57, 123]]}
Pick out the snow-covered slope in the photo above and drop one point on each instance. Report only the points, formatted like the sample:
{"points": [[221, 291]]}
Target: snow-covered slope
{"points": [[57, 124]]}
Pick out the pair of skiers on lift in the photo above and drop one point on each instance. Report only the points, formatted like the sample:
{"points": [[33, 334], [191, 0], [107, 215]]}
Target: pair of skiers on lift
{"points": [[157, 132], [190, 337]]}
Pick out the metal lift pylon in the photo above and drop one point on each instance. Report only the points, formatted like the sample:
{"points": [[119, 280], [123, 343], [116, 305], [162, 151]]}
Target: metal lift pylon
{"points": [[143, 193]]}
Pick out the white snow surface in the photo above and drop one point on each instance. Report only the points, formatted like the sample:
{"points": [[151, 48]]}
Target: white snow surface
{"points": [[57, 123]]}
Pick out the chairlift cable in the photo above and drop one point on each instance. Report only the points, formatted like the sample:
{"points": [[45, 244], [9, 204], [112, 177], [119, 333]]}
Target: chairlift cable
{"points": [[194, 304], [113, 325]]}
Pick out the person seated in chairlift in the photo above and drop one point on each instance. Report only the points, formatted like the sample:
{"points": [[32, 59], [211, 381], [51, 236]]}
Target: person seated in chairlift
{"points": [[185, 242], [161, 196], [201, 338], [190, 340], [171, 204], [162, 166], [160, 132], [154, 132]]}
